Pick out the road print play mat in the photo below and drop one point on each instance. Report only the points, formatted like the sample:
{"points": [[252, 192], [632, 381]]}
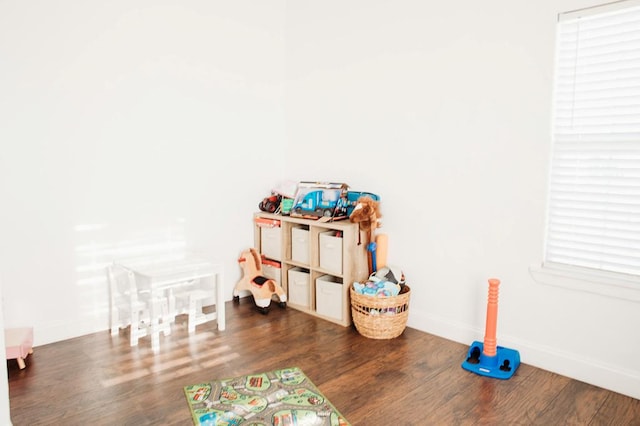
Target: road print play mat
{"points": [[280, 397]]}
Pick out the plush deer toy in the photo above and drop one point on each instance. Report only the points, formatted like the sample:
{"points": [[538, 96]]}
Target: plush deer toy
{"points": [[253, 279], [367, 214]]}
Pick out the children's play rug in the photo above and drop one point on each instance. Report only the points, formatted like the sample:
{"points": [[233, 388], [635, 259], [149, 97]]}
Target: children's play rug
{"points": [[281, 397]]}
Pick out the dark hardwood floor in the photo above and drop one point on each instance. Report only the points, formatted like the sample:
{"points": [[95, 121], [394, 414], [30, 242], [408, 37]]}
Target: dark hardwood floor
{"points": [[415, 379]]}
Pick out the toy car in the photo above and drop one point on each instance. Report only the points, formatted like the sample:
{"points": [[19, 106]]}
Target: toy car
{"points": [[270, 204]]}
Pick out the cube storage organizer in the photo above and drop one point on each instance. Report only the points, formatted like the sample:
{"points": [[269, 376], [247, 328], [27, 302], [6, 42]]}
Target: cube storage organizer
{"points": [[380, 317], [319, 248]]}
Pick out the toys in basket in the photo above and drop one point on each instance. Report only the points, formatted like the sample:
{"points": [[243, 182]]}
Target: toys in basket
{"points": [[385, 282], [380, 306]]}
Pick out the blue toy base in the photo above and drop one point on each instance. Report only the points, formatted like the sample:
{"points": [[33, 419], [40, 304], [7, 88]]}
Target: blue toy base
{"points": [[501, 366]]}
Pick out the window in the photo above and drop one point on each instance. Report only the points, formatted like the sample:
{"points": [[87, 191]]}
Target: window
{"points": [[594, 197]]}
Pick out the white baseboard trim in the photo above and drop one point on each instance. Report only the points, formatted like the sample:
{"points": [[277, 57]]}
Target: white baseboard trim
{"points": [[575, 366], [44, 334]]}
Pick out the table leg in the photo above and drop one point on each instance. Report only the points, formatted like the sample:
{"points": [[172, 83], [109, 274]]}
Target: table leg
{"points": [[154, 326], [220, 301]]}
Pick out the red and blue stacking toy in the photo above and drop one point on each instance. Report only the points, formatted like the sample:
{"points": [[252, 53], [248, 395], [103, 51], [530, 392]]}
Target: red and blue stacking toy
{"points": [[486, 358]]}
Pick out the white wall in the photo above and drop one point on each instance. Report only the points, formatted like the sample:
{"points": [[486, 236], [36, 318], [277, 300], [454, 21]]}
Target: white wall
{"points": [[129, 127], [113, 119], [444, 110]]}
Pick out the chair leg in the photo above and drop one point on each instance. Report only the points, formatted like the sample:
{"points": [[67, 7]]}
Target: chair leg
{"points": [[167, 319], [154, 323], [115, 321], [173, 310], [134, 329], [193, 312]]}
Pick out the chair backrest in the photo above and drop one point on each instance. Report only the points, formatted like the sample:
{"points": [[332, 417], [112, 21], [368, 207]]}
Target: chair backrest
{"points": [[122, 285]]}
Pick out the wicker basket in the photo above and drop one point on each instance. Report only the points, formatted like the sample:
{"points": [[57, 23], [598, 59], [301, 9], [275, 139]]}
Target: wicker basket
{"points": [[380, 317]]}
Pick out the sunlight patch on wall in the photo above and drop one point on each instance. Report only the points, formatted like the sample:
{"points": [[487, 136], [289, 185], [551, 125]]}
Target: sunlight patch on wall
{"points": [[99, 244]]}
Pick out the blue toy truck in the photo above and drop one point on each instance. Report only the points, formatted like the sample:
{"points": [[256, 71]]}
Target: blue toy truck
{"points": [[316, 203], [329, 203], [352, 199]]}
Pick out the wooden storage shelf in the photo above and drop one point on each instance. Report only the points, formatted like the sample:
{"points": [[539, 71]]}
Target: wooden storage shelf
{"points": [[351, 255]]}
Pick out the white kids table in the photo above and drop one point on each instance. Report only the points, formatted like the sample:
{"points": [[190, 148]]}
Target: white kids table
{"points": [[162, 276]]}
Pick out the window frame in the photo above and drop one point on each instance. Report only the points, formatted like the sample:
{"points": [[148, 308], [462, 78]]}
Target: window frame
{"points": [[608, 283]]}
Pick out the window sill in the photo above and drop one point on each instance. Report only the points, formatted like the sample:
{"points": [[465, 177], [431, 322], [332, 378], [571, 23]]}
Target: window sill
{"points": [[618, 286]]}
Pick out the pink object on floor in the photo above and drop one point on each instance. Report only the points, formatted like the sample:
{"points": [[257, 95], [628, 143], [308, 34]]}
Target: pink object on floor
{"points": [[18, 343]]}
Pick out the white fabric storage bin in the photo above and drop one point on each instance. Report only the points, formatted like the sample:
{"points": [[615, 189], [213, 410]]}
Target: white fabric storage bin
{"points": [[300, 245], [271, 242], [272, 270], [331, 252], [329, 296], [298, 286]]}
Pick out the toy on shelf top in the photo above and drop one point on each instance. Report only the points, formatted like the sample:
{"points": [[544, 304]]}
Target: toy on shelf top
{"points": [[325, 201], [316, 200], [367, 214]]}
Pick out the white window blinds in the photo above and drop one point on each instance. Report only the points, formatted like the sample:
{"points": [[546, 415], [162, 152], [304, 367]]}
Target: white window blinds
{"points": [[594, 205]]}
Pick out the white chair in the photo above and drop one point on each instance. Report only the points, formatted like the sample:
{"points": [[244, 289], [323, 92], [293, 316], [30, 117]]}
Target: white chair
{"points": [[189, 300], [127, 309]]}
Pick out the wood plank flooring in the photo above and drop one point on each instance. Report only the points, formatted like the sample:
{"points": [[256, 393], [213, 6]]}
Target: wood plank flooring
{"points": [[415, 379]]}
